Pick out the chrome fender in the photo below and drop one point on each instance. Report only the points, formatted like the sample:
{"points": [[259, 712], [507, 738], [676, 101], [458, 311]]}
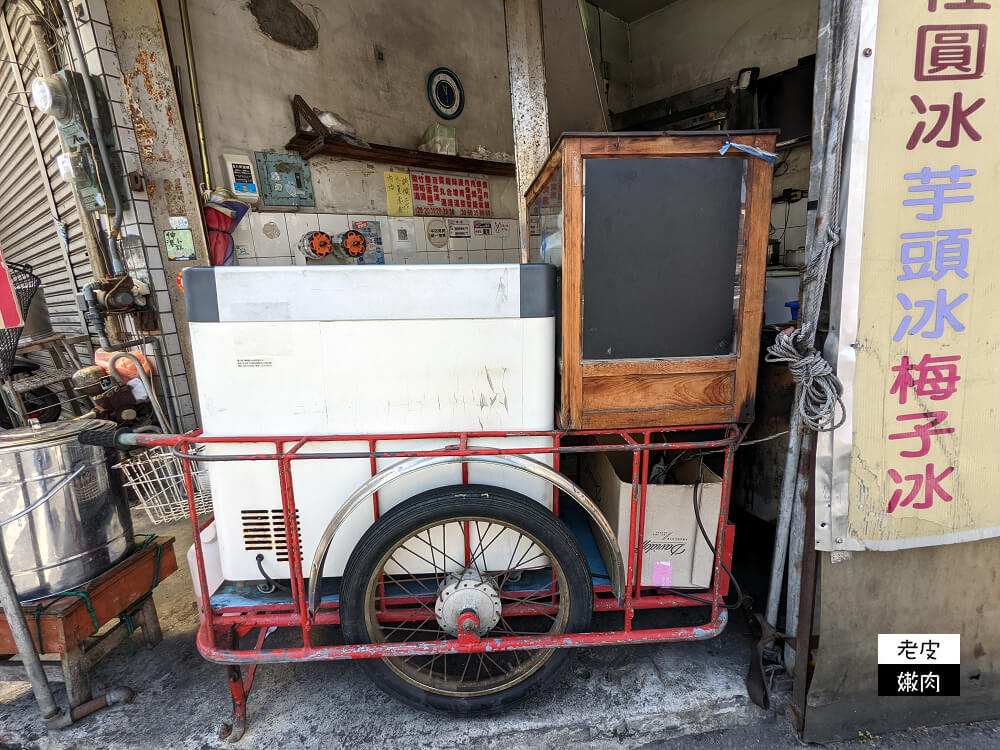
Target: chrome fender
{"points": [[413, 465]]}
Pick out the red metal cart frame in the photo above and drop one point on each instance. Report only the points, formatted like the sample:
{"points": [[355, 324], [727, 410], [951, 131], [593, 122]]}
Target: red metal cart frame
{"points": [[221, 628]]}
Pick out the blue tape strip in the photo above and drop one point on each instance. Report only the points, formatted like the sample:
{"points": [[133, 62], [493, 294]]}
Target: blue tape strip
{"points": [[760, 153]]}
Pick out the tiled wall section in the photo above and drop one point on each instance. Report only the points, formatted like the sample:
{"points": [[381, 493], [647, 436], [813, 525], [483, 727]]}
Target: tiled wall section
{"points": [[271, 239], [142, 254]]}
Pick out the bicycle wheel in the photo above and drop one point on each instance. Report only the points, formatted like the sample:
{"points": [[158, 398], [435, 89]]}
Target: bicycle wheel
{"points": [[473, 557]]}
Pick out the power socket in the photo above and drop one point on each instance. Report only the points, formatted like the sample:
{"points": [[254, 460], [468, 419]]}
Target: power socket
{"points": [[791, 196]]}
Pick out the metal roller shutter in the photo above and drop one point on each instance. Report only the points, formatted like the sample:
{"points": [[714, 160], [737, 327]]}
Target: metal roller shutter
{"points": [[33, 198]]}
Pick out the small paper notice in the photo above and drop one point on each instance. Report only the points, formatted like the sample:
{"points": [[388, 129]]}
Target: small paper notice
{"points": [[398, 195], [663, 574], [402, 232]]}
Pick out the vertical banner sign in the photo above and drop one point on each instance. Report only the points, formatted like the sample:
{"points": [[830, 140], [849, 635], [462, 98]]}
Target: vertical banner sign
{"points": [[925, 467]]}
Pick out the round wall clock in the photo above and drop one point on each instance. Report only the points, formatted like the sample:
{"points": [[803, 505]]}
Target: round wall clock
{"points": [[445, 93]]}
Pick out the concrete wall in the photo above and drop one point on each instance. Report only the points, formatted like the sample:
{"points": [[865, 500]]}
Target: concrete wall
{"points": [[247, 80], [694, 42], [609, 42], [573, 86], [954, 588]]}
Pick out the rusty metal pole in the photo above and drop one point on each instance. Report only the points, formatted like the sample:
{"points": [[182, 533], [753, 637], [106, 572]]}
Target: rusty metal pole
{"points": [[53, 716], [528, 103]]}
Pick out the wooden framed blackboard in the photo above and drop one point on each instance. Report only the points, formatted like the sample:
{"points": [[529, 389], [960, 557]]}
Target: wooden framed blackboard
{"points": [[662, 242]]}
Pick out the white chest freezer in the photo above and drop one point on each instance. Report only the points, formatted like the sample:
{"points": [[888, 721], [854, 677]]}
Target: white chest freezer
{"points": [[361, 350]]}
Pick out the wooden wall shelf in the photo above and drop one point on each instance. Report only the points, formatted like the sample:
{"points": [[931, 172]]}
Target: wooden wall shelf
{"points": [[407, 157]]}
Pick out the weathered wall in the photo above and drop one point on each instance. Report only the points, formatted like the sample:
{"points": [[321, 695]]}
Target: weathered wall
{"points": [[247, 80], [693, 42], [573, 88], [609, 42], [953, 588]]}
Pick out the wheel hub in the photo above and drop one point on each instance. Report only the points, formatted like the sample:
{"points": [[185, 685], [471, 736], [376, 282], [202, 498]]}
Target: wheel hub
{"points": [[467, 592]]}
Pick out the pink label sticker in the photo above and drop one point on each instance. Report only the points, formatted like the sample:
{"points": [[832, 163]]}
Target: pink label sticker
{"points": [[663, 574]]}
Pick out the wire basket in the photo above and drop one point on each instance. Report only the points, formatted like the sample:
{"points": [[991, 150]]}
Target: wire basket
{"points": [[156, 476], [25, 285]]}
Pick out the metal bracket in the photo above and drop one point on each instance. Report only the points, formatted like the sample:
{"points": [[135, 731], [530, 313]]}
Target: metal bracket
{"points": [[302, 110], [412, 465]]}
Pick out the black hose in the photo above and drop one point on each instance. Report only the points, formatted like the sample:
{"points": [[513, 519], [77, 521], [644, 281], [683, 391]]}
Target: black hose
{"points": [[270, 581], [697, 515]]}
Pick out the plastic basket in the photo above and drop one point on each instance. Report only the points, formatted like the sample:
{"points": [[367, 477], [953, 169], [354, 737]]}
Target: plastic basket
{"points": [[25, 285], [156, 476]]}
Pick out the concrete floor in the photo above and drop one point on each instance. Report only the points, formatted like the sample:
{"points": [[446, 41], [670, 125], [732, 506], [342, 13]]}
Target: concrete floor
{"points": [[625, 696], [666, 697]]}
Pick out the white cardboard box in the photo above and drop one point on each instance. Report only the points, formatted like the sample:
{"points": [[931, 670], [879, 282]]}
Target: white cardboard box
{"points": [[673, 547]]}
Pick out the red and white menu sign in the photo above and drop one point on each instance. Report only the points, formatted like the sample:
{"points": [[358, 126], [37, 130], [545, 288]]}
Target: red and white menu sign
{"points": [[443, 195]]}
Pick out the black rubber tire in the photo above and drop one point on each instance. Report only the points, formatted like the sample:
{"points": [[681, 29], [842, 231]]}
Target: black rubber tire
{"points": [[443, 504]]}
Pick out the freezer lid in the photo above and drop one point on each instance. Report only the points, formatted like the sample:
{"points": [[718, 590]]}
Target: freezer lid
{"points": [[228, 294]]}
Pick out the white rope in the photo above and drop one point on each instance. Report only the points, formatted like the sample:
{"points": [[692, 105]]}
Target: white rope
{"points": [[821, 392]]}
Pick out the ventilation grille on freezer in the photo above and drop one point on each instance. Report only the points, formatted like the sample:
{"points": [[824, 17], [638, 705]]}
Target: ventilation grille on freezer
{"points": [[264, 531]]}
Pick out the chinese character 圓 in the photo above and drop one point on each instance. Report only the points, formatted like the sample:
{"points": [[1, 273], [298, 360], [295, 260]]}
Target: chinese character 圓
{"points": [[938, 193], [940, 309], [930, 485], [955, 113], [930, 648], [932, 5], [923, 432], [932, 377], [907, 648], [955, 52], [949, 253], [908, 682]]}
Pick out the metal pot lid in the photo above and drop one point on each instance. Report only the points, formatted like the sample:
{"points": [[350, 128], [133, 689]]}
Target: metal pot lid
{"points": [[53, 432]]}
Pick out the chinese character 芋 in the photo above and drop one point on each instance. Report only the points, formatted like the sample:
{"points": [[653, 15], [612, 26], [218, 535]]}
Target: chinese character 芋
{"points": [[930, 681], [940, 309], [955, 112], [907, 648], [937, 191], [955, 52], [932, 5], [908, 682], [949, 253], [929, 649], [923, 432], [936, 377], [928, 482]]}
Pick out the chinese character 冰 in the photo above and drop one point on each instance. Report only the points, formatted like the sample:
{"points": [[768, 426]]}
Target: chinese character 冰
{"points": [[955, 52], [941, 310], [908, 682], [923, 432], [955, 112], [930, 648], [932, 5], [949, 253], [938, 197], [929, 482], [907, 648], [930, 681], [936, 378]]}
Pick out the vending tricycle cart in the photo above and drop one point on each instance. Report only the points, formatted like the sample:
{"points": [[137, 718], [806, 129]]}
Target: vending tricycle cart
{"points": [[383, 452]]}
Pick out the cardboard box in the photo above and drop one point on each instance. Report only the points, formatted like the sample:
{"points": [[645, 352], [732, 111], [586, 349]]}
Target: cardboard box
{"points": [[675, 554]]}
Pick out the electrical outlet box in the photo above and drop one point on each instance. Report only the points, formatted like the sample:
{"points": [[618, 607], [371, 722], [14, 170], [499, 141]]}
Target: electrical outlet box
{"points": [[285, 180], [79, 164], [242, 175]]}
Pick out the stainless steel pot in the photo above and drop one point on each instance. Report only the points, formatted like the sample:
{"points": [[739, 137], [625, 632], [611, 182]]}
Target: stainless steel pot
{"points": [[64, 519]]}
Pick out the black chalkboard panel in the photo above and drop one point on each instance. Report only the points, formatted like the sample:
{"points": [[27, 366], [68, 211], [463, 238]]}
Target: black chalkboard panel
{"points": [[660, 247]]}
